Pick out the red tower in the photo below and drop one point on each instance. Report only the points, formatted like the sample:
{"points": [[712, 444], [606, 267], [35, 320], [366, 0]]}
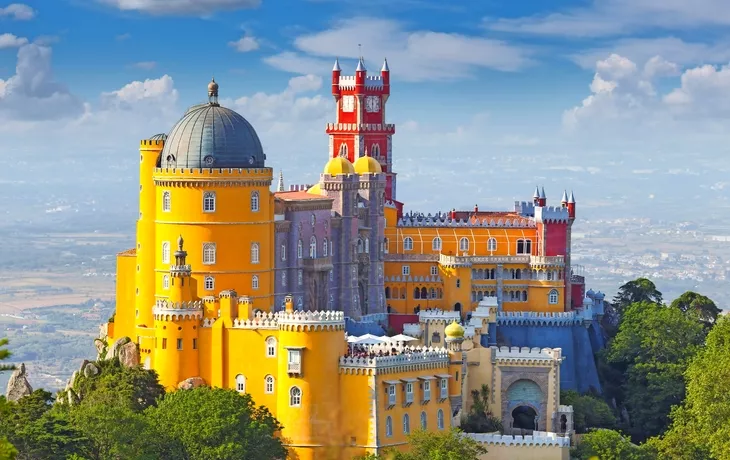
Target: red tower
{"points": [[360, 128]]}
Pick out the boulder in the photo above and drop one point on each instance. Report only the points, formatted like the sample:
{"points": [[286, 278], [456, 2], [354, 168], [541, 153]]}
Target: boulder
{"points": [[90, 370], [128, 354], [192, 382], [100, 348], [72, 398], [113, 352], [104, 331], [18, 385]]}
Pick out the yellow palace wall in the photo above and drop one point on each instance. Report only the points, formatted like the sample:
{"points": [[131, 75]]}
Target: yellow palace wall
{"points": [[524, 452]]}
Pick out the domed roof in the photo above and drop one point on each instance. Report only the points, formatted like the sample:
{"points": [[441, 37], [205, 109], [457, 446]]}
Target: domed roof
{"points": [[454, 330], [158, 137], [211, 136], [339, 165], [367, 165], [315, 189]]}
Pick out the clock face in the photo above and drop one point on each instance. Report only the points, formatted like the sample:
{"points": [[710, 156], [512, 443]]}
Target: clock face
{"points": [[348, 103], [372, 103]]}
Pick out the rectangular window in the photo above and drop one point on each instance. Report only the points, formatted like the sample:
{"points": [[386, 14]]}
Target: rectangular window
{"points": [[434, 270], [179, 344], [195, 344], [427, 390], [409, 392], [391, 395], [294, 362], [444, 389], [164, 344], [406, 270]]}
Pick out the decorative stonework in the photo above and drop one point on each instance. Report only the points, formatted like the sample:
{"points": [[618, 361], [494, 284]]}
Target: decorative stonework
{"points": [[418, 358], [541, 377]]}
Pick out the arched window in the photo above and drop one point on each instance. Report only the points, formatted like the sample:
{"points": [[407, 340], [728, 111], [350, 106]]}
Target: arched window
{"points": [[166, 282], [209, 253], [385, 245], [269, 384], [343, 150], [436, 244], [423, 420], [367, 245], [240, 383], [166, 252], [209, 202], [360, 246], [255, 282], [440, 419], [406, 424], [254, 201], [416, 293], [492, 244], [325, 247], [524, 296], [408, 244], [553, 297], [283, 279], [375, 151], [166, 201], [283, 252], [313, 247], [299, 249], [464, 244], [254, 253], [209, 283], [271, 347], [295, 397]]}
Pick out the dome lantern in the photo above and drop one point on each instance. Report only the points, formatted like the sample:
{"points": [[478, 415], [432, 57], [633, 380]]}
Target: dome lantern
{"points": [[213, 92]]}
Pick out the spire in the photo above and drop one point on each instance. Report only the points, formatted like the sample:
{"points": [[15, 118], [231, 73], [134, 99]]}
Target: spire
{"points": [[213, 92], [385, 66], [537, 192], [542, 193], [360, 65], [336, 68], [280, 185], [571, 198], [564, 199]]}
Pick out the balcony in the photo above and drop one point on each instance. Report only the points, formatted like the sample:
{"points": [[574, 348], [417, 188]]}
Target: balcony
{"points": [[294, 368], [556, 261], [320, 264], [426, 395], [409, 397]]}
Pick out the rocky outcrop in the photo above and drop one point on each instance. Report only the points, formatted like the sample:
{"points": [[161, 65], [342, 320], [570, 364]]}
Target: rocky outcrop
{"points": [[101, 348], [128, 354], [18, 385], [192, 382], [113, 352], [90, 370]]}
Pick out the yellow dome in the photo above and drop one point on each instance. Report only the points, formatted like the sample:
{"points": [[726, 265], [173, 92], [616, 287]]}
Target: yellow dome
{"points": [[367, 165], [454, 330], [339, 165], [315, 189]]}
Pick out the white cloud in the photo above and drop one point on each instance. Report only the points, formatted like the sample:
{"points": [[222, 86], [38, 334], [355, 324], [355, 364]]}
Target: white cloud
{"points": [[704, 91], [145, 65], [11, 41], [158, 92], [182, 7], [245, 44], [420, 55], [619, 17], [18, 11]]}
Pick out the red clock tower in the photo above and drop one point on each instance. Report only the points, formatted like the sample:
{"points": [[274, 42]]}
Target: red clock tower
{"points": [[359, 128]]}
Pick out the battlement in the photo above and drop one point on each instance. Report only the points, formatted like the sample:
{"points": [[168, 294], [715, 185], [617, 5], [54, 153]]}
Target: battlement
{"points": [[467, 261], [526, 354], [355, 127], [178, 269], [299, 187], [551, 214], [151, 144], [412, 357], [165, 310], [438, 315], [311, 320], [444, 220], [260, 321], [565, 408], [537, 439], [371, 81], [218, 173], [531, 318], [525, 208]]}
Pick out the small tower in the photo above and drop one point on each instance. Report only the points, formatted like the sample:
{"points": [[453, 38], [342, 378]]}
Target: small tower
{"points": [[571, 206], [360, 76], [385, 75], [564, 199], [536, 196], [454, 336], [543, 198], [336, 72], [180, 285], [280, 185]]}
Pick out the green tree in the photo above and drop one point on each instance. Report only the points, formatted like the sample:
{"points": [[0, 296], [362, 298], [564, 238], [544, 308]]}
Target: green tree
{"points": [[638, 290], [5, 354], [480, 419], [588, 411], [653, 347], [696, 304], [442, 445], [609, 445], [7, 451], [217, 424]]}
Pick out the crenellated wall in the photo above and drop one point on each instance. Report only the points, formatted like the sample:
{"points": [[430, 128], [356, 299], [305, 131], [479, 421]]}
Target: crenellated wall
{"points": [[539, 446]]}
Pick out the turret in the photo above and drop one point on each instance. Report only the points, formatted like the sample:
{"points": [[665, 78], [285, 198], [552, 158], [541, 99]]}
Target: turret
{"points": [[180, 285], [360, 76], [543, 198], [336, 71], [564, 199], [536, 196], [571, 205], [385, 74]]}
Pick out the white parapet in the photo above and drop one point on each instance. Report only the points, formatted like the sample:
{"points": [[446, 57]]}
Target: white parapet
{"points": [[438, 315], [327, 319], [259, 321], [537, 439], [412, 329], [521, 354], [565, 408], [419, 357], [166, 310], [513, 318]]}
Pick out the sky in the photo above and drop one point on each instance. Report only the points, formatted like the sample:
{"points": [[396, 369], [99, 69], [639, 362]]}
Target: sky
{"points": [[626, 102]]}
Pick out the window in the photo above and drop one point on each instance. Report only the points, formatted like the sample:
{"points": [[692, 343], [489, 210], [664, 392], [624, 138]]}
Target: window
{"points": [[427, 390], [391, 395], [444, 389], [209, 283], [436, 244], [299, 277], [166, 201], [388, 426], [299, 249], [332, 248], [524, 247], [440, 419], [254, 253], [209, 202], [254, 201], [166, 282], [409, 392], [406, 424], [325, 247], [434, 270], [375, 151], [343, 149], [367, 245], [164, 344], [283, 279], [406, 270], [208, 253], [240, 383], [283, 252], [166, 252], [385, 245], [423, 420], [553, 297], [195, 344], [492, 244], [269, 384], [295, 397], [332, 275], [312, 220], [179, 344], [294, 361], [464, 244], [458, 283], [255, 282], [271, 347], [408, 244], [313, 247]]}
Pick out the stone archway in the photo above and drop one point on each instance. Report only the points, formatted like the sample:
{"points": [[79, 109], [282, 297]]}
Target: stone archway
{"points": [[524, 405], [524, 418]]}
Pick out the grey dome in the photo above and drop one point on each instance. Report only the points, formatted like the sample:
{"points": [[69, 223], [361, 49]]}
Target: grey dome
{"points": [[211, 136], [158, 137]]}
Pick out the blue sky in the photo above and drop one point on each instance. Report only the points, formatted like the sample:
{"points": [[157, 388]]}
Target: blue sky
{"points": [[492, 95]]}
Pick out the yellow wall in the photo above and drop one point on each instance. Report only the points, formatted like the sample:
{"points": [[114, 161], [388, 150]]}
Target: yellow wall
{"points": [[124, 315], [173, 365], [526, 452]]}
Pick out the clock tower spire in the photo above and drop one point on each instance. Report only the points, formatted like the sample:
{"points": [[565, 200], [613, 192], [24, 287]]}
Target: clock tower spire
{"points": [[360, 128]]}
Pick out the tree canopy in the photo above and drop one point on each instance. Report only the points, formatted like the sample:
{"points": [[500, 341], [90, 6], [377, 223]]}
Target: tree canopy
{"points": [[606, 444], [588, 411], [636, 291], [696, 304], [480, 419]]}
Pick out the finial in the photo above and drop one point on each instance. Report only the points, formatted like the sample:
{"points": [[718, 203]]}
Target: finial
{"points": [[213, 91], [564, 199], [385, 66], [180, 242], [571, 198], [359, 50], [336, 68]]}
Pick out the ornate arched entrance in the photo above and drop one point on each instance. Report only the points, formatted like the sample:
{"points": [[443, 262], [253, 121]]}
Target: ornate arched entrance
{"points": [[524, 407]]}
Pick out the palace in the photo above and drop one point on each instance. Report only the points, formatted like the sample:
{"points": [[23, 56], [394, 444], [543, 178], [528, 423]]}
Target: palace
{"points": [[222, 264]]}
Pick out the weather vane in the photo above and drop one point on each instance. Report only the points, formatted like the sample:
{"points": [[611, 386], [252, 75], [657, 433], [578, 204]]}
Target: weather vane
{"points": [[359, 50]]}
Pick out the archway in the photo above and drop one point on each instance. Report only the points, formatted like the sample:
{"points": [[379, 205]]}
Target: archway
{"points": [[457, 306], [524, 418]]}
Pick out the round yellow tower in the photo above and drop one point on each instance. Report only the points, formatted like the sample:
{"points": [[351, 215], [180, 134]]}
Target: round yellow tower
{"points": [[176, 341], [308, 400]]}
